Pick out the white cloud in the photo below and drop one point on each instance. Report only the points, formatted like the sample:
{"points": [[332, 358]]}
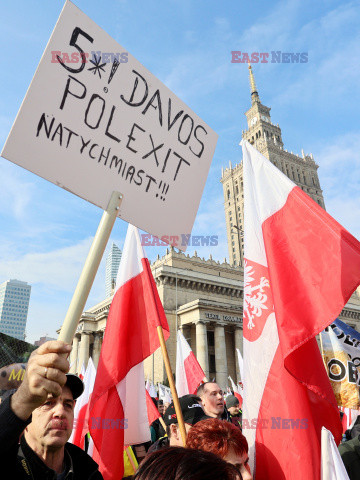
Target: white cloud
{"points": [[340, 180], [57, 268], [15, 193]]}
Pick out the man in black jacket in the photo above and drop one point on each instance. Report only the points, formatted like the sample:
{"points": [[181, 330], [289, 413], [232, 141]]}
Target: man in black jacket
{"points": [[43, 408], [192, 413], [350, 455]]}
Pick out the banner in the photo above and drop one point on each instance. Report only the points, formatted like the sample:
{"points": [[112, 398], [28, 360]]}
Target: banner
{"points": [[14, 355], [164, 393], [341, 353]]}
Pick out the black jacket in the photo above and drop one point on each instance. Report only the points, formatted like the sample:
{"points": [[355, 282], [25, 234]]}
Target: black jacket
{"points": [[20, 462], [350, 454], [162, 442]]}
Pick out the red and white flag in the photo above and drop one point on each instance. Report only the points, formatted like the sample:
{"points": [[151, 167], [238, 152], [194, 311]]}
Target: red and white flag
{"points": [[300, 269], [118, 401], [349, 417], [152, 411], [189, 373], [81, 426], [238, 391]]}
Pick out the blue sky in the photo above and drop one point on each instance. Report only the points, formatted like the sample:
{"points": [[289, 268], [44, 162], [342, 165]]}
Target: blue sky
{"points": [[45, 232]]}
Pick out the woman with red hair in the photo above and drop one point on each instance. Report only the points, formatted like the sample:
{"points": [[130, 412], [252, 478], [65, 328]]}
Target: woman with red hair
{"points": [[223, 439], [179, 463]]}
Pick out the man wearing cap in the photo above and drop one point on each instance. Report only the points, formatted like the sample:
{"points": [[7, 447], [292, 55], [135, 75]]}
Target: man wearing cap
{"points": [[43, 408], [233, 406], [192, 413]]}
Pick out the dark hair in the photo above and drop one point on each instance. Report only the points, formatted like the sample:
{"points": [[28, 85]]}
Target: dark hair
{"points": [[178, 463], [217, 436], [201, 388]]}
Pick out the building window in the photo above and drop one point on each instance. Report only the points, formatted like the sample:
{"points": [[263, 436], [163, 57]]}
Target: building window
{"points": [[210, 339], [212, 367]]}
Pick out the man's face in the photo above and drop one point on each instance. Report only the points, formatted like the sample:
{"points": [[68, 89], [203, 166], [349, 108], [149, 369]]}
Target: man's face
{"points": [[52, 423], [241, 462], [161, 409], [213, 400], [234, 410]]}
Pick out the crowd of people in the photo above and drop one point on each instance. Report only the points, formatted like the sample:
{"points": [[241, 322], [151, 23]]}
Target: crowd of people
{"points": [[36, 423]]}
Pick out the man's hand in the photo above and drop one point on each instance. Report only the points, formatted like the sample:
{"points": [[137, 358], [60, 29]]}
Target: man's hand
{"points": [[45, 374]]}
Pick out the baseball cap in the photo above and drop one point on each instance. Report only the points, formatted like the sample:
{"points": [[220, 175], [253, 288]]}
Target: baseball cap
{"points": [[75, 384], [231, 401], [191, 409]]}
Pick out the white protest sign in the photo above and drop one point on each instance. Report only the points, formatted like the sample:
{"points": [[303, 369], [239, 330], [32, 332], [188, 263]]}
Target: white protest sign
{"points": [[94, 120]]}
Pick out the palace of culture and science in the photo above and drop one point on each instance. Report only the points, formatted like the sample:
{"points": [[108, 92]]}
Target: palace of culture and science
{"points": [[202, 297]]}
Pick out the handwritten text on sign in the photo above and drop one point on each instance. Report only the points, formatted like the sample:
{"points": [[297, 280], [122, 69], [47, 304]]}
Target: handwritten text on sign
{"points": [[94, 122]]}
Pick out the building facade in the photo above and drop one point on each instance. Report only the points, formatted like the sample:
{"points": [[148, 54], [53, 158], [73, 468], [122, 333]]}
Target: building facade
{"points": [[112, 266], [42, 340], [14, 306], [266, 137]]}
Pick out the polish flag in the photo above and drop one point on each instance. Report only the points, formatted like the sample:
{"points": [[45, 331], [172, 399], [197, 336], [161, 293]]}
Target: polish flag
{"points": [[300, 269], [189, 374], [349, 417], [119, 398], [152, 412], [238, 391], [81, 426]]}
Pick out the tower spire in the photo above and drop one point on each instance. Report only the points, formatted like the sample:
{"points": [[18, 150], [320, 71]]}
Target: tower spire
{"points": [[254, 93]]}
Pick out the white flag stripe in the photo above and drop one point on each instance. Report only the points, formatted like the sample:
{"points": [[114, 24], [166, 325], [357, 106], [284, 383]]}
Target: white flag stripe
{"points": [[131, 391], [89, 380], [254, 250], [332, 466], [182, 352], [241, 364], [130, 263]]}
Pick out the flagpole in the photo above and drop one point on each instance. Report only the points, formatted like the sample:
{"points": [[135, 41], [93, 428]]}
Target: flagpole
{"points": [[172, 385], [90, 268]]}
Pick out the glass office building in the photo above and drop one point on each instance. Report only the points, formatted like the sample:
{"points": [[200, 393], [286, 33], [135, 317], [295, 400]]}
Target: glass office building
{"points": [[14, 305]]}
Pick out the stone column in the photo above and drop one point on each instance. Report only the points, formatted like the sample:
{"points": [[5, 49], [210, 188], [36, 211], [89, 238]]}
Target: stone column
{"points": [[97, 348], [74, 354], [83, 351], [238, 344], [202, 347], [220, 357]]}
